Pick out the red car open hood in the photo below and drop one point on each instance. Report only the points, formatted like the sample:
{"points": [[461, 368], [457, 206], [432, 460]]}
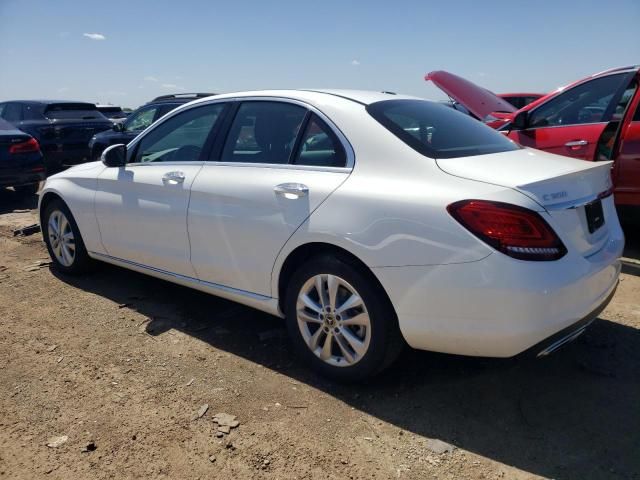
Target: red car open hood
{"points": [[479, 101]]}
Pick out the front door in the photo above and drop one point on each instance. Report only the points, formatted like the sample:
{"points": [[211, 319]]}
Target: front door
{"points": [[279, 163], [142, 207], [572, 122], [627, 163]]}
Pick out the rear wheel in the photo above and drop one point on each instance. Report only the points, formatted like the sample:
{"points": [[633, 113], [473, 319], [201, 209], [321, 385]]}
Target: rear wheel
{"points": [[63, 240], [340, 320]]}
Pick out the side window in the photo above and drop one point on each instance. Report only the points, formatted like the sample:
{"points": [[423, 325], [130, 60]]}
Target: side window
{"points": [[263, 132], [166, 108], [180, 138], [2, 109], [12, 112], [140, 119], [585, 103], [30, 112], [636, 116], [320, 146]]}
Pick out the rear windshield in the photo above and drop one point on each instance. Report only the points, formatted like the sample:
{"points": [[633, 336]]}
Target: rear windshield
{"points": [[438, 131], [81, 111], [110, 109]]}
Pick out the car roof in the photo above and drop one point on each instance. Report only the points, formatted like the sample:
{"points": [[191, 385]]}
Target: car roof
{"points": [[319, 96], [47, 102]]}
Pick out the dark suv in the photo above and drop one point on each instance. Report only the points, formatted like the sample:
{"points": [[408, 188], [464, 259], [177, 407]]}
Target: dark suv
{"points": [[140, 119], [62, 128]]}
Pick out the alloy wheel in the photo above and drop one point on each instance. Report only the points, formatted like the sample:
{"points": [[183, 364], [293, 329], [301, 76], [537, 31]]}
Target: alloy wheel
{"points": [[333, 320], [61, 238]]}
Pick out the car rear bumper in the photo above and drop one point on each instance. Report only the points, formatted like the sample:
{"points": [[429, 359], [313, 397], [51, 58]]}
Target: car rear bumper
{"points": [[64, 156], [28, 172], [500, 307]]}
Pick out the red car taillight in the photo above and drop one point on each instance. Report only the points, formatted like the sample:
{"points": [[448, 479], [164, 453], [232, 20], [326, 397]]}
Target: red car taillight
{"points": [[514, 231], [29, 146]]}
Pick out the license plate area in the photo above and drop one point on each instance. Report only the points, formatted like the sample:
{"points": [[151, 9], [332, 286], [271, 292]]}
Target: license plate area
{"points": [[595, 215]]}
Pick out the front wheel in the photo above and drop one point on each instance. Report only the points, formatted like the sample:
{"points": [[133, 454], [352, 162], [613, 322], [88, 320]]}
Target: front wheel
{"points": [[63, 240], [340, 320]]}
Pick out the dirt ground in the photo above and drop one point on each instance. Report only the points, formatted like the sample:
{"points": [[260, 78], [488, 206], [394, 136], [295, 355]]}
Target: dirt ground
{"points": [[120, 364]]}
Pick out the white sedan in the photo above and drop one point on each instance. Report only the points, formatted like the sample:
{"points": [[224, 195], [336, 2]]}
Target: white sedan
{"points": [[368, 220]]}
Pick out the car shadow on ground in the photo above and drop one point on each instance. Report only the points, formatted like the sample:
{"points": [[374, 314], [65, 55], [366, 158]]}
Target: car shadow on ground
{"points": [[573, 415], [11, 201]]}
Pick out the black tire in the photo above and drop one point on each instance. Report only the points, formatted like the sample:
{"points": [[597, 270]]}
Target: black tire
{"points": [[81, 262], [386, 341], [27, 190]]}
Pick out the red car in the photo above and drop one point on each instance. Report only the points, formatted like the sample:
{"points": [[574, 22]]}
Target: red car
{"points": [[520, 100], [595, 119]]}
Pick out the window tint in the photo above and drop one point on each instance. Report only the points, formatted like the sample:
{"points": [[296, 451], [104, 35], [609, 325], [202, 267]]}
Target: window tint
{"points": [[166, 108], [140, 119], [624, 100], [585, 103], [3, 106], [319, 146], [438, 131], [84, 111], [636, 116], [180, 138], [12, 112], [263, 132]]}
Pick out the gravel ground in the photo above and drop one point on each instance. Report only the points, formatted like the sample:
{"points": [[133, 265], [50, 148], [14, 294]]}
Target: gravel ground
{"points": [[108, 375]]}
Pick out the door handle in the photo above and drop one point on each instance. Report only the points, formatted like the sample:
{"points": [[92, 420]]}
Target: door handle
{"points": [[291, 190], [575, 144], [173, 178]]}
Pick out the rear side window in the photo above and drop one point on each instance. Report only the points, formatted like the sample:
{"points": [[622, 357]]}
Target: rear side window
{"points": [[75, 111], [263, 132], [12, 112], [181, 138], [319, 146], [437, 131]]}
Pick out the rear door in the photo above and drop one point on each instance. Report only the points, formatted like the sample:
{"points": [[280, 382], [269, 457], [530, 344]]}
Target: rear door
{"points": [[279, 162], [571, 123], [142, 207]]}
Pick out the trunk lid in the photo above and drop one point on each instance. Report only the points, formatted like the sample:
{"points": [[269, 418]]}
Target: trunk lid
{"points": [[479, 101], [565, 187]]}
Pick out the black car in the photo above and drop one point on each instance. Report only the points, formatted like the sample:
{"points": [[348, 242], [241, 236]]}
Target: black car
{"points": [[112, 112], [21, 162], [138, 120], [62, 128]]}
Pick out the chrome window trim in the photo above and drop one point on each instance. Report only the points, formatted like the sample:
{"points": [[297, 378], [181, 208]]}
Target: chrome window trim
{"points": [[349, 152], [281, 166], [144, 164]]}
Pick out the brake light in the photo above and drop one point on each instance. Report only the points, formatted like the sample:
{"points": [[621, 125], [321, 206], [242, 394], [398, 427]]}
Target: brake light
{"points": [[29, 146], [515, 231]]}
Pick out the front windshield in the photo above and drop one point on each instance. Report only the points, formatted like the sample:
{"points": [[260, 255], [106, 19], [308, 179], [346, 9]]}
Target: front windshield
{"points": [[438, 131]]}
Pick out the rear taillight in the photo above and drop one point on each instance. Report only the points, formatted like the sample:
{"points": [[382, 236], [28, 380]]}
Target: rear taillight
{"points": [[29, 146], [514, 231]]}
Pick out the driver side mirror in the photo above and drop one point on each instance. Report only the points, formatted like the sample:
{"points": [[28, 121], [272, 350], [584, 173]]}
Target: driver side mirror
{"points": [[520, 121], [115, 156], [118, 127]]}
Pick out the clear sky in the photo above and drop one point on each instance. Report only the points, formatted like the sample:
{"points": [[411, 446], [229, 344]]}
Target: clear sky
{"points": [[128, 51]]}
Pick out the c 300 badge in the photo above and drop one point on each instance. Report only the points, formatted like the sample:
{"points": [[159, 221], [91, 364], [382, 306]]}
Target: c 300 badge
{"points": [[554, 196]]}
